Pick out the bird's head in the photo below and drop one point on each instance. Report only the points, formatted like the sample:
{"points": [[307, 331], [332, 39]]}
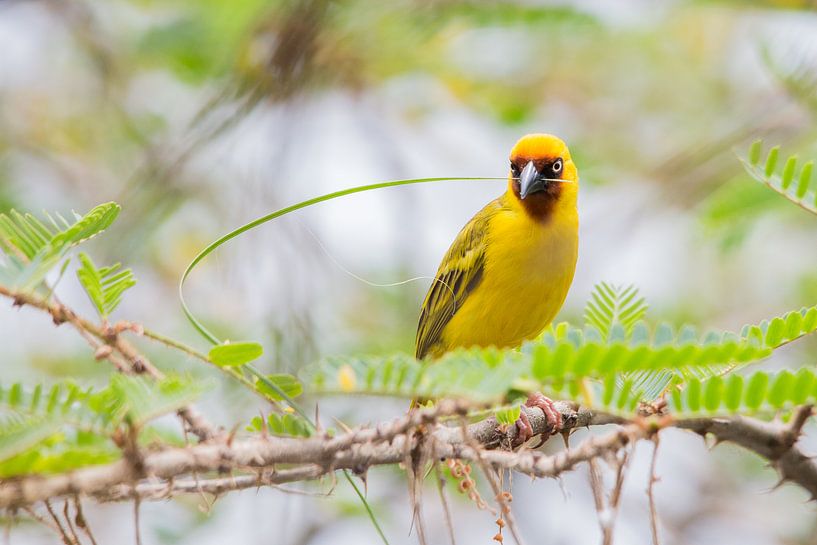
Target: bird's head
{"points": [[541, 170]]}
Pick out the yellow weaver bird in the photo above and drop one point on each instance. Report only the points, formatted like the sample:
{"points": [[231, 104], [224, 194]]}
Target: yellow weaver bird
{"points": [[507, 273]]}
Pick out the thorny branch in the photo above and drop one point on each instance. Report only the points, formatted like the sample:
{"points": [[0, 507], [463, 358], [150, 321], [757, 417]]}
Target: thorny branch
{"points": [[108, 343], [773, 441], [276, 460]]}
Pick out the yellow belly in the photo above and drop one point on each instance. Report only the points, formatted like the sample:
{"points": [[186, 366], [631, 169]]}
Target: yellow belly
{"points": [[529, 267]]}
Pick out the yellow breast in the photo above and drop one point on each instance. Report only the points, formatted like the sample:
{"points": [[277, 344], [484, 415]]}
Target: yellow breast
{"points": [[529, 266]]}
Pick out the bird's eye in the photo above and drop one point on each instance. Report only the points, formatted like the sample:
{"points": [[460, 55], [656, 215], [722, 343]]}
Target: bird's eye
{"points": [[557, 166], [515, 170]]}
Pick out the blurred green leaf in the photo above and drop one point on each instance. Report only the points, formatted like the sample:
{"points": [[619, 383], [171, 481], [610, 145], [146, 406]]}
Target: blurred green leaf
{"points": [[507, 416], [788, 172], [234, 354], [290, 385], [33, 247], [756, 390], [19, 434], [754, 152]]}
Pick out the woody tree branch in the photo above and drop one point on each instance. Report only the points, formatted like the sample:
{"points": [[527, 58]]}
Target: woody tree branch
{"points": [[275, 460], [222, 464], [773, 441]]}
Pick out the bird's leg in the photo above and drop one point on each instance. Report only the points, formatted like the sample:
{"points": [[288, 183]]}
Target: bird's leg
{"points": [[552, 416]]}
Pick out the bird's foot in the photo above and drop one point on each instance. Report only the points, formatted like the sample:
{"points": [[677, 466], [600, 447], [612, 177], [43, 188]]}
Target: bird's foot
{"points": [[552, 416]]}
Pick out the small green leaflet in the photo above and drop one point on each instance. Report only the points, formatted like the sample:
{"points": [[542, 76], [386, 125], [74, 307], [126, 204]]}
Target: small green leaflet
{"points": [[290, 385], [234, 354], [507, 416]]}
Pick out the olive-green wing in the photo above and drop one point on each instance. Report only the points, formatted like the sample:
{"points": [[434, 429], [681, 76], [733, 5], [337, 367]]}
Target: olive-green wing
{"points": [[459, 274]]}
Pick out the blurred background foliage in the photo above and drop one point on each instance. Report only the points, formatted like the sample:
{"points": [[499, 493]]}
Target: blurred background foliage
{"points": [[198, 115]]}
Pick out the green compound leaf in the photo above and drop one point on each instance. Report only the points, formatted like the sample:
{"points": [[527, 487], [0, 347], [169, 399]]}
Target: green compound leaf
{"points": [[784, 329], [623, 370], [760, 392], [557, 362], [610, 306], [795, 188], [33, 248], [18, 434], [104, 286], [59, 455], [138, 400], [64, 427]]}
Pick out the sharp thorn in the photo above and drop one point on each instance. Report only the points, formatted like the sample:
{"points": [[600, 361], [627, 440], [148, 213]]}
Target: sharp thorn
{"points": [[343, 426], [777, 485], [566, 438]]}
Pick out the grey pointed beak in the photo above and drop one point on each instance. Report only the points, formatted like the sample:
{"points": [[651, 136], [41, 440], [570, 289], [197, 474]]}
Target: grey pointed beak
{"points": [[529, 181]]}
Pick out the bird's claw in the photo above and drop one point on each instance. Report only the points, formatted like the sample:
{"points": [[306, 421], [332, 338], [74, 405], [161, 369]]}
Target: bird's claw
{"points": [[552, 416]]}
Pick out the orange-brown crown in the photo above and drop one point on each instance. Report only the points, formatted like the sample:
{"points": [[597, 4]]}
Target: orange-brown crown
{"points": [[542, 148]]}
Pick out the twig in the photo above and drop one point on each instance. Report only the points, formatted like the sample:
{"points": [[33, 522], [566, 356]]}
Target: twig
{"points": [[81, 521], [67, 515], [621, 466], [597, 486], [615, 496], [190, 351], [136, 524], [414, 464], [63, 534], [449, 521], [607, 511], [650, 495]]}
